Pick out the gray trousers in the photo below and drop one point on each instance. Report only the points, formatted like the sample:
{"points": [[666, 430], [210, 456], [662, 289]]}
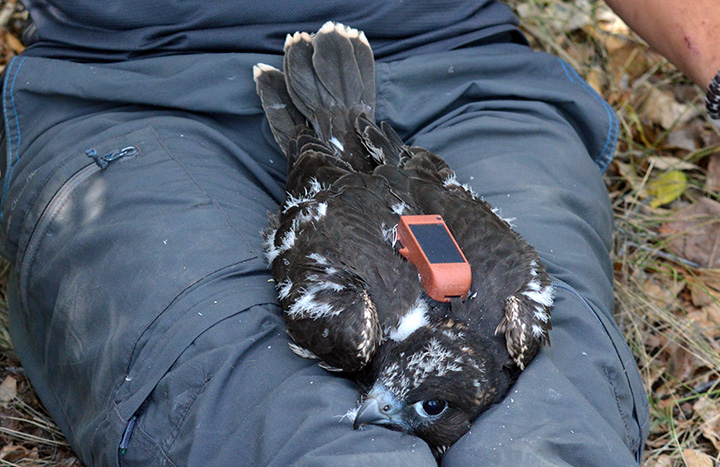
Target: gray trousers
{"points": [[141, 307]]}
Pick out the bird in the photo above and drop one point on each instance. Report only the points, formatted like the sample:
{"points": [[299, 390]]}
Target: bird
{"points": [[350, 299]]}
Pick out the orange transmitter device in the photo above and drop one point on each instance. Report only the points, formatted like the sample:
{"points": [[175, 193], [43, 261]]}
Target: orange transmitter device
{"points": [[428, 244]]}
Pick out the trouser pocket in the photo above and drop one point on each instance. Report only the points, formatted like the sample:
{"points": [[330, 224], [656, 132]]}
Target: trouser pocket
{"points": [[101, 260]]}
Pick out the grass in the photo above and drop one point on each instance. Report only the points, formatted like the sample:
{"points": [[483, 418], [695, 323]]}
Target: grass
{"points": [[674, 335], [675, 340]]}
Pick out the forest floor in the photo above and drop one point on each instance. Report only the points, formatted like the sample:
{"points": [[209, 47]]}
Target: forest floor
{"points": [[664, 184]]}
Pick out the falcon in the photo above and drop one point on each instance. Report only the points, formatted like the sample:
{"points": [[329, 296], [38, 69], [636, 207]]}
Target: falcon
{"points": [[349, 297]]}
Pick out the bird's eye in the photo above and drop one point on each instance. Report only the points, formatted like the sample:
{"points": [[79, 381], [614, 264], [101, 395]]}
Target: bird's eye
{"points": [[431, 408]]}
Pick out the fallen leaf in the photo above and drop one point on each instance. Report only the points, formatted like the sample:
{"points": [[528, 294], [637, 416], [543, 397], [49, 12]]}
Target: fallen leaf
{"points": [[666, 187], [14, 43], [664, 294], [671, 163], [704, 287], [568, 17], [8, 389], [681, 363], [610, 22], [707, 321], [595, 78], [695, 458], [662, 108], [682, 138], [17, 453], [628, 173], [663, 460], [627, 60], [713, 173], [709, 413], [694, 234]]}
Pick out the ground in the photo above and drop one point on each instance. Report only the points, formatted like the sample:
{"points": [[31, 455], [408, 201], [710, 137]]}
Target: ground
{"points": [[665, 188]]}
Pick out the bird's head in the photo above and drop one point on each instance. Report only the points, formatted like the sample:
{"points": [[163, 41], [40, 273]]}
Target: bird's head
{"points": [[433, 384]]}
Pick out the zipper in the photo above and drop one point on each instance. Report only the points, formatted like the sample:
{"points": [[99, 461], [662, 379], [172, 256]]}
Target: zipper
{"points": [[125, 441], [56, 203]]}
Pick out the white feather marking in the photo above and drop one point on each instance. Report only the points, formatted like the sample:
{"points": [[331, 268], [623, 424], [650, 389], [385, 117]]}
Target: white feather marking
{"points": [[399, 208], [376, 153], [271, 252], [543, 296], [301, 352], [507, 220], [452, 181], [326, 285], [321, 211], [307, 306], [288, 240], [537, 330], [261, 68], [314, 187], [284, 288], [541, 315], [389, 233], [336, 142], [327, 28], [327, 367], [318, 258], [351, 414], [432, 360], [413, 320]]}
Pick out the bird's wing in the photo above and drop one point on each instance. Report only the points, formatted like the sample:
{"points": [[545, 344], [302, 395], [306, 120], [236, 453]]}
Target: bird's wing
{"points": [[511, 291], [339, 279]]}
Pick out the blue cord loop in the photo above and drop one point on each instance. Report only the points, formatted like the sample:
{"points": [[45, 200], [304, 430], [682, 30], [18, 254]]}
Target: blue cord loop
{"points": [[105, 160]]}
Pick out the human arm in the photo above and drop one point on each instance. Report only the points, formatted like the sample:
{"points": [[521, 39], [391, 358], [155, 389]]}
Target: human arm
{"points": [[686, 33]]}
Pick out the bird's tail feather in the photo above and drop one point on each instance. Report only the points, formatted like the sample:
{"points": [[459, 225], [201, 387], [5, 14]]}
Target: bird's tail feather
{"points": [[286, 121], [328, 82]]}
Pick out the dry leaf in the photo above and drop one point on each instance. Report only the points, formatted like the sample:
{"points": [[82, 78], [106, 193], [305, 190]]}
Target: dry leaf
{"points": [[681, 363], [610, 22], [17, 453], [664, 295], [628, 173], [713, 173], [704, 287], [709, 412], [695, 233], [662, 108], [14, 43], [707, 322], [695, 458], [663, 460], [682, 138], [595, 78], [666, 187], [8, 389], [627, 60], [671, 163]]}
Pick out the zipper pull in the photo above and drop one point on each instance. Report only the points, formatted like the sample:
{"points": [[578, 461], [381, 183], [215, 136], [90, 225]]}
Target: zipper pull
{"points": [[125, 441], [104, 161]]}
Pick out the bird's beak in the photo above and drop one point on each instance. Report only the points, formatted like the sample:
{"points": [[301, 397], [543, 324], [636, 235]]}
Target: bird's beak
{"points": [[380, 408]]}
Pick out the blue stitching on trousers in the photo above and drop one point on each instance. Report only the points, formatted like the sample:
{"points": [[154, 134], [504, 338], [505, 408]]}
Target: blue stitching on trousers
{"points": [[606, 154], [11, 161], [641, 442]]}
